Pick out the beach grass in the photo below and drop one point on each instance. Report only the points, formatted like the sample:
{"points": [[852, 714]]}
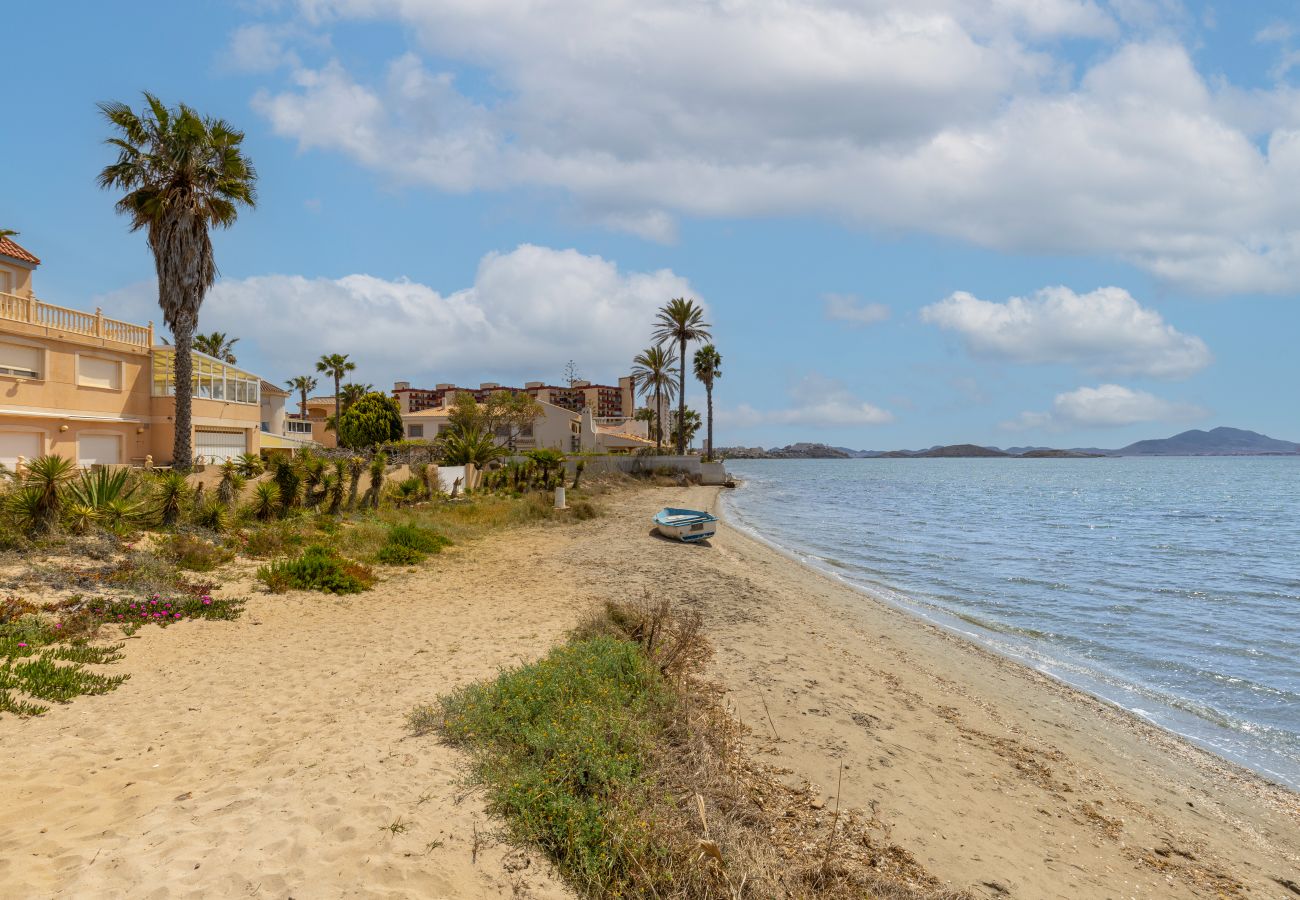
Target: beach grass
{"points": [[613, 758]]}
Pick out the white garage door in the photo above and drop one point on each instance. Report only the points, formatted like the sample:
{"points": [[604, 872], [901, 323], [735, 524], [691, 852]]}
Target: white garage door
{"points": [[218, 446], [99, 449], [14, 444]]}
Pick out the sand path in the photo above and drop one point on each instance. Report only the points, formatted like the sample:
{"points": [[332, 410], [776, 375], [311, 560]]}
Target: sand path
{"points": [[262, 758]]}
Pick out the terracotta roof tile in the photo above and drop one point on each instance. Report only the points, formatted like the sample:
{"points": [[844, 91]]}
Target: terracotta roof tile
{"points": [[11, 249]]}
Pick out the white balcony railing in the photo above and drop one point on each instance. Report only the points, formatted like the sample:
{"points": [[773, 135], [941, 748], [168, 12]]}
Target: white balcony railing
{"points": [[31, 311]]}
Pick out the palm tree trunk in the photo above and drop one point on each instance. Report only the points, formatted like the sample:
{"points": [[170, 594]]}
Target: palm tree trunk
{"points": [[302, 407], [681, 402], [708, 392], [337, 412], [659, 420], [182, 444]]}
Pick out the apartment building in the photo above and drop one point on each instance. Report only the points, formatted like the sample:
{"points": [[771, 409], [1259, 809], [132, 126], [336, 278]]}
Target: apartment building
{"points": [[605, 401], [100, 390], [556, 428]]}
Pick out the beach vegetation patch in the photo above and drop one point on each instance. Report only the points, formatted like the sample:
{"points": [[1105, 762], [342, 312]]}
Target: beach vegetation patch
{"points": [[613, 756], [317, 568]]}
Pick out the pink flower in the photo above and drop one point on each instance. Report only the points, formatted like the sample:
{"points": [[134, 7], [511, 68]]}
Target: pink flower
{"points": [[21, 644], [121, 617], [177, 615], [58, 624], [207, 600]]}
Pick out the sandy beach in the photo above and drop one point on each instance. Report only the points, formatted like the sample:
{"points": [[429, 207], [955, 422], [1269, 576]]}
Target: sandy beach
{"points": [[267, 757]]}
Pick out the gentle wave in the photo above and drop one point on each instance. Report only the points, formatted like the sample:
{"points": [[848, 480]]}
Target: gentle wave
{"points": [[1166, 586]]}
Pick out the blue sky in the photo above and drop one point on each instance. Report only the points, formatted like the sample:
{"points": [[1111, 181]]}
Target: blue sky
{"points": [[1066, 222]]}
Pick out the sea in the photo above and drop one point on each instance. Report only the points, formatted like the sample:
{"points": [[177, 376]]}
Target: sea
{"points": [[1167, 586]]}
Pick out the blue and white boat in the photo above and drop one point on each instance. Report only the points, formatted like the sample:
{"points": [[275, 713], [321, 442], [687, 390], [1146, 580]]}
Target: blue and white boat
{"points": [[688, 525]]}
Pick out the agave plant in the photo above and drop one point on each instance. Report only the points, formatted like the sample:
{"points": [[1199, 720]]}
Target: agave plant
{"points": [[101, 488], [266, 500], [80, 517], [213, 515], [45, 481], [288, 482], [377, 466], [232, 483], [170, 494], [334, 490], [356, 465]]}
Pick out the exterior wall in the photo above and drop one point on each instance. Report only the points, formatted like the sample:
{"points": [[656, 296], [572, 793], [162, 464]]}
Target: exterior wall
{"points": [[556, 428], [60, 436], [273, 412], [19, 277], [214, 414], [319, 410]]}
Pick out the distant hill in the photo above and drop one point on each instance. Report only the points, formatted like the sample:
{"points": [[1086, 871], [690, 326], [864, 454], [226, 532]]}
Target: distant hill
{"points": [[1217, 442]]}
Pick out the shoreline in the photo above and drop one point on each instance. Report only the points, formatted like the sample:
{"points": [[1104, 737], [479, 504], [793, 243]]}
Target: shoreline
{"points": [[268, 756], [947, 623]]}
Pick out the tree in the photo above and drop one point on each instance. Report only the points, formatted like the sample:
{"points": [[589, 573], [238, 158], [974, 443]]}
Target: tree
{"points": [[374, 419], [465, 415], [183, 175], [652, 368], [351, 393], [336, 365], [681, 320], [683, 436], [571, 374], [708, 369], [473, 445], [304, 385], [510, 415], [7, 232], [217, 345], [548, 460]]}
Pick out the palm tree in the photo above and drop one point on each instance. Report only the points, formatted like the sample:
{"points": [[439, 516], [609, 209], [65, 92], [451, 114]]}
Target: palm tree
{"points": [[304, 385], [217, 345], [183, 175], [652, 368], [681, 321], [708, 369], [351, 393], [7, 232], [337, 365]]}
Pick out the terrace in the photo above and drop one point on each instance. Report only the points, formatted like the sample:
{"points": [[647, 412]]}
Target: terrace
{"points": [[48, 320]]}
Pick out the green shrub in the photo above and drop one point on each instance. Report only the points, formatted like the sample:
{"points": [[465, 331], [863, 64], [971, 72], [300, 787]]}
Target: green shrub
{"points": [[317, 569], [561, 744], [398, 555], [192, 552]]}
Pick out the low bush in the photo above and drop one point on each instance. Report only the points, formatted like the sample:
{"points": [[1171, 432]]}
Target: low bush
{"points": [[406, 544], [317, 569], [194, 553], [399, 555]]}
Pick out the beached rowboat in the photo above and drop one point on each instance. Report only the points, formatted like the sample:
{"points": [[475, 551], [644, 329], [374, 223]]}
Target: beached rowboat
{"points": [[686, 524]]}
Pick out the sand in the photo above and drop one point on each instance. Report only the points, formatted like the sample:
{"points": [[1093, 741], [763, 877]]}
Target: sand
{"points": [[265, 757]]}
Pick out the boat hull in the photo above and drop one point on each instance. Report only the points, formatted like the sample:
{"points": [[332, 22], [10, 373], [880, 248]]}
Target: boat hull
{"points": [[686, 525]]}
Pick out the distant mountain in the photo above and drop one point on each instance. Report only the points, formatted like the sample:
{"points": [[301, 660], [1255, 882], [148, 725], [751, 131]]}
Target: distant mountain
{"points": [[1218, 442]]}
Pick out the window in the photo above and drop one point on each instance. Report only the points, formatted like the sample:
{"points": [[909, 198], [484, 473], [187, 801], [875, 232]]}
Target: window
{"points": [[415, 431], [6, 282], [97, 372], [21, 360], [212, 379]]}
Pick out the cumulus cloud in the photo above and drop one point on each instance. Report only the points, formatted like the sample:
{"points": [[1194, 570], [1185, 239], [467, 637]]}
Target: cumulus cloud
{"points": [[1106, 406], [527, 313], [847, 308], [949, 117], [1105, 332], [816, 401]]}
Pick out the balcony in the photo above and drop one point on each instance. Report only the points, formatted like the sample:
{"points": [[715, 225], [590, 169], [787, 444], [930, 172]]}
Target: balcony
{"points": [[61, 320]]}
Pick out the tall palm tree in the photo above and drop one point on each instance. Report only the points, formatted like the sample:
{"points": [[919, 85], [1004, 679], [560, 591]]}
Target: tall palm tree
{"points": [[681, 320], [336, 365], [708, 369], [183, 175], [653, 370], [7, 232], [304, 385], [217, 345], [351, 393]]}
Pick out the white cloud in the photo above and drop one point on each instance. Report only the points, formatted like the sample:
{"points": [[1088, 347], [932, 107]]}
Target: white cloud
{"points": [[816, 401], [1105, 332], [847, 308], [942, 116], [527, 313], [260, 48], [1106, 406]]}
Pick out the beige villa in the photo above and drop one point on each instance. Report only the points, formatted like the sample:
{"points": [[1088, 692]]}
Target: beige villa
{"points": [[101, 391]]}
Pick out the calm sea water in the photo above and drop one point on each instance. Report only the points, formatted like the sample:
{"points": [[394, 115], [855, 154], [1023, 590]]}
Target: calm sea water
{"points": [[1168, 586]]}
